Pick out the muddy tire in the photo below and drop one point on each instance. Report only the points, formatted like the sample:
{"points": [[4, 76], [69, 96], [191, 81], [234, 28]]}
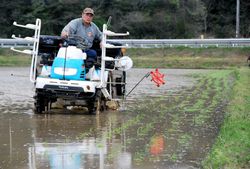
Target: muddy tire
{"points": [[109, 86], [97, 105], [121, 88], [39, 104]]}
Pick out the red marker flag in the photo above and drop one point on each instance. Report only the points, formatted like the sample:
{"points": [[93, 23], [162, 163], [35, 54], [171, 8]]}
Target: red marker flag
{"points": [[157, 77]]}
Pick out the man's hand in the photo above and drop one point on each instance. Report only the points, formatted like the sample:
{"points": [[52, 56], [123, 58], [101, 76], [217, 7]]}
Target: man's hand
{"points": [[64, 35], [101, 44]]}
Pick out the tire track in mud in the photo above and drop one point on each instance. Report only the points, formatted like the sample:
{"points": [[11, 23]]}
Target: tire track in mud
{"points": [[187, 122], [16, 104], [15, 90]]}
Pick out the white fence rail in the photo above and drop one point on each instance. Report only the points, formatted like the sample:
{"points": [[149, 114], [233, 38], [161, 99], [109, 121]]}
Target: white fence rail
{"points": [[8, 43], [153, 43], [158, 43]]}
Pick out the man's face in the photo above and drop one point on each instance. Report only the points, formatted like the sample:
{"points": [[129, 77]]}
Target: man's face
{"points": [[87, 17]]}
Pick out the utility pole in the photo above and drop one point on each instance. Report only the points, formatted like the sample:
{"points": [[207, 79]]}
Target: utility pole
{"points": [[237, 19]]}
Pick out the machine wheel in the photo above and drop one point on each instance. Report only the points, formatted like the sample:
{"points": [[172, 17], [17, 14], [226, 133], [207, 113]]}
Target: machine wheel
{"points": [[110, 85], [39, 103], [42, 103], [96, 105], [120, 88]]}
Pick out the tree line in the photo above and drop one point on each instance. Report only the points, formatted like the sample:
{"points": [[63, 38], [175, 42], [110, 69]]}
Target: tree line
{"points": [[161, 19]]}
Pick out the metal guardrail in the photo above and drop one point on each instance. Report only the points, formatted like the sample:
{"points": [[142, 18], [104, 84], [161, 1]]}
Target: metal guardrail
{"points": [[152, 43], [159, 43], [8, 43]]}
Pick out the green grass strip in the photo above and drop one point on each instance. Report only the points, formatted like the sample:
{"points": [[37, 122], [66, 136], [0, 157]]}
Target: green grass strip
{"points": [[11, 58], [232, 147], [184, 57]]}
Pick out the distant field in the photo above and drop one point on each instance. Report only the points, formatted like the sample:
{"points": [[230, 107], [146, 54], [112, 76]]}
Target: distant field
{"points": [[11, 58], [181, 57]]}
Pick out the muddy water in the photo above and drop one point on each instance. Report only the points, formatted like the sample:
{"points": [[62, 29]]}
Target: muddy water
{"points": [[112, 140], [175, 80]]}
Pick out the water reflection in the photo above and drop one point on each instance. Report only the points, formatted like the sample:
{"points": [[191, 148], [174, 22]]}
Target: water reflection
{"points": [[111, 140], [67, 155], [157, 145], [88, 144]]}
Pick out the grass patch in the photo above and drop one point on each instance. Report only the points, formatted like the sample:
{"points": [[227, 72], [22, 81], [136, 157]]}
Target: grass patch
{"points": [[184, 57], [232, 147], [11, 58]]}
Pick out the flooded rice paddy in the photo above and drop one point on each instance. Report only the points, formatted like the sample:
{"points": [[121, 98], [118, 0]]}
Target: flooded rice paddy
{"points": [[168, 127]]}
